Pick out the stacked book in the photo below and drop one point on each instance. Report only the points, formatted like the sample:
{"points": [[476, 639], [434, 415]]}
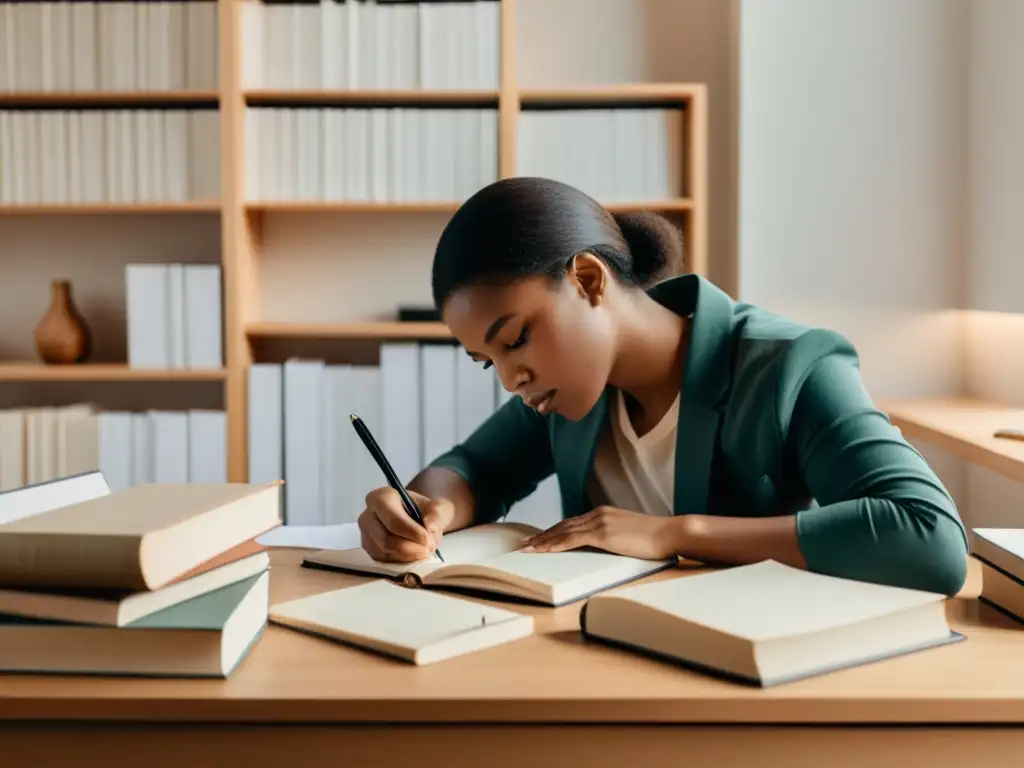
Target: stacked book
{"points": [[1001, 554], [155, 580]]}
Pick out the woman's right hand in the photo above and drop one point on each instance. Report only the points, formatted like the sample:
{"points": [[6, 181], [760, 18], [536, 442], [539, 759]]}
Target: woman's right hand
{"points": [[390, 535]]}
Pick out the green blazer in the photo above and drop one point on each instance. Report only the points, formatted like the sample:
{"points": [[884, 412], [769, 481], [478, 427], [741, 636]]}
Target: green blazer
{"points": [[774, 419]]}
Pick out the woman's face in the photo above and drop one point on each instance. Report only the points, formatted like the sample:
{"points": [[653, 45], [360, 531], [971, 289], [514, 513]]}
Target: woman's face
{"points": [[552, 344]]}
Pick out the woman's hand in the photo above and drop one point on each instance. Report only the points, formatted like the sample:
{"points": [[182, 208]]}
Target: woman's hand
{"points": [[390, 535], [650, 537]]}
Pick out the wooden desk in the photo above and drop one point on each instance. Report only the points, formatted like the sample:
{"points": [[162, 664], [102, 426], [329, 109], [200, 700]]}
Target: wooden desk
{"points": [[551, 699]]}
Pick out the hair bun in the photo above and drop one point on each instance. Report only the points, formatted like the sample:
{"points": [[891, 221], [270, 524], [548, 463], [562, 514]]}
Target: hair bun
{"points": [[655, 244]]}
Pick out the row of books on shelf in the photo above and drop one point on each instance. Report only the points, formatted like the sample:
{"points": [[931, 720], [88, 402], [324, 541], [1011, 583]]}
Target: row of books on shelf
{"points": [[109, 156], [71, 47], [175, 316], [180, 562], [371, 155], [368, 44], [615, 155], [419, 401], [42, 444]]}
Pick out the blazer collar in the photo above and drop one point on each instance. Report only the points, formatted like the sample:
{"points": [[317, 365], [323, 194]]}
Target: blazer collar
{"points": [[705, 383]]}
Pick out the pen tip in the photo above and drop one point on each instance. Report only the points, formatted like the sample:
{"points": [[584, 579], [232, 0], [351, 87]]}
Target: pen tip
{"points": [[352, 416]]}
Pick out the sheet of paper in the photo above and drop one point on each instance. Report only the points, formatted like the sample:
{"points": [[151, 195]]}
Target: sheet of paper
{"points": [[341, 536]]}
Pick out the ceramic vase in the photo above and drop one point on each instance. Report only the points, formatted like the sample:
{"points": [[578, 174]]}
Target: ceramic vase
{"points": [[62, 337]]}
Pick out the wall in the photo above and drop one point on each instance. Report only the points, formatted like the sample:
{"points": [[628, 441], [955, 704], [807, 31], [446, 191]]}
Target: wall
{"points": [[852, 177], [994, 260]]}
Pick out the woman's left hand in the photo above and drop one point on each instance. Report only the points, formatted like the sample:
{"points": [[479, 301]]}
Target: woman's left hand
{"points": [[649, 537]]}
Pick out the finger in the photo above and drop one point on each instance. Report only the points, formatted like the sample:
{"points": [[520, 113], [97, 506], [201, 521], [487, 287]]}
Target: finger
{"points": [[437, 516], [387, 506], [572, 540], [374, 536], [558, 529], [385, 547]]}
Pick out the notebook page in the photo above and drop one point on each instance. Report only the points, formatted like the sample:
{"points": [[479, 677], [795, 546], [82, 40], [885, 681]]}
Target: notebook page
{"points": [[770, 600], [561, 568], [386, 612]]}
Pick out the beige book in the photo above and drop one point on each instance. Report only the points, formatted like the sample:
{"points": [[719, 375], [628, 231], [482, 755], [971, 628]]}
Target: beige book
{"points": [[141, 538], [485, 559], [767, 623], [1001, 552], [409, 624]]}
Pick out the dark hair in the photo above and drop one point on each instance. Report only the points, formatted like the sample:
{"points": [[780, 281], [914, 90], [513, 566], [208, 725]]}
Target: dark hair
{"points": [[531, 227]]}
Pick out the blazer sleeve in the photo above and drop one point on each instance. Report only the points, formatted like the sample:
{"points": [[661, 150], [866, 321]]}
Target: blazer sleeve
{"points": [[503, 460], [883, 515]]}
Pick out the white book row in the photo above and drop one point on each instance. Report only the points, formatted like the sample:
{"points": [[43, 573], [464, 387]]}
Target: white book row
{"points": [[174, 314], [38, 445], [614, 155], [109, 156], [72, 47], [371, 44], [369, 154], [419, 401]]}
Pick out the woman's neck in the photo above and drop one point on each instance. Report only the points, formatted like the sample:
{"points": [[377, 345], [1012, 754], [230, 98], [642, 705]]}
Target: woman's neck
{"points": [[652, 341]]}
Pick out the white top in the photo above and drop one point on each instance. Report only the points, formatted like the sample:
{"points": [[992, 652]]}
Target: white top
{"points": [[637, 472]]}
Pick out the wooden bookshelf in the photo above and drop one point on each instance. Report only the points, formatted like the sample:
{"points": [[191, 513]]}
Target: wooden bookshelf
{"points": [[35, 372], [243, 221], [383, 330], [73, 99], [94, 209], [963, 427]]}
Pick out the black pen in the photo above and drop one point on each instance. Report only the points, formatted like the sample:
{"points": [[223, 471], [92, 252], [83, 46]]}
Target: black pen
{"points": [[385, 467]]}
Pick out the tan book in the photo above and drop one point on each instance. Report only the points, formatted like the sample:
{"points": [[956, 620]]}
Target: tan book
{"points": [[485, 559], [142, 538], [119, 608], [767, 623], [408, 624]]}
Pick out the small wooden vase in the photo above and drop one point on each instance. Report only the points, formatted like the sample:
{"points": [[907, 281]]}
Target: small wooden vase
{"points": [[62, 337]]}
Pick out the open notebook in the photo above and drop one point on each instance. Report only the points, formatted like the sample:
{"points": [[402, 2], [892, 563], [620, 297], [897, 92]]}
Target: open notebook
{"points": [[408, 624], [484, 559], [768, 623]]}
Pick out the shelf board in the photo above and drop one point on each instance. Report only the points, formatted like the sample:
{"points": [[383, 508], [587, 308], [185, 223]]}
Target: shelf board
{"points": [[406, 97], [37, 372], [107, 98], [383, 330], [609, 95], [191, 206], [963, 427], [313, 206]]}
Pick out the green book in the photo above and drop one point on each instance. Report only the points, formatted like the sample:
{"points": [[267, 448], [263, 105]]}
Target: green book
{"points": [[207, 636]]}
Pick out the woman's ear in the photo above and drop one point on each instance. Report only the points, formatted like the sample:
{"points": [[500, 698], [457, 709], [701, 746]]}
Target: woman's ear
{"points": [[589, 277]]}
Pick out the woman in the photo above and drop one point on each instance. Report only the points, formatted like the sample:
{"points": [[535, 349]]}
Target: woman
{"points": [[678, 422]]}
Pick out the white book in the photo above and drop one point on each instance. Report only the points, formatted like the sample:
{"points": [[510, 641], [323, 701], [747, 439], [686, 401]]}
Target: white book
{"points": [[75, 183], [146, 40], [400, 417], [334, 169], [94, 168], [176, 47], [148, 315], [143, 449], [380, 142], [488, 147], [7, 156], [81, 426], [358, 156], [86, 56], [265, 423], [176, 315], [330, 433], [203, 316], [175, 155], [768, 623], [62, 47], [303, 441], [117, 452], [309, 157], [12, 449], [367, 402], [207, 447], [170, 446], [438, 364], [333, 37], [8, 52]]}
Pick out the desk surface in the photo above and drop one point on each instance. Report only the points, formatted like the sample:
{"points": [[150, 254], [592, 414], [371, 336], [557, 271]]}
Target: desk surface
{"points": [[552, 677], [964, 427]]}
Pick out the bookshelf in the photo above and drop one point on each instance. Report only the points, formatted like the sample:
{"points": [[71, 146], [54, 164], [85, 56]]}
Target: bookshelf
{"points": [[478, 77]]}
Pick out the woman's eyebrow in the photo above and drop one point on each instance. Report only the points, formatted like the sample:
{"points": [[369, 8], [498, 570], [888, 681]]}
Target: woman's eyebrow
{"points": [[496, 326]]}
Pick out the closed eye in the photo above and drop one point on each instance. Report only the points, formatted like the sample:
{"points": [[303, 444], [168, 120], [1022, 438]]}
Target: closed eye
{"points": [[520, 340]]}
